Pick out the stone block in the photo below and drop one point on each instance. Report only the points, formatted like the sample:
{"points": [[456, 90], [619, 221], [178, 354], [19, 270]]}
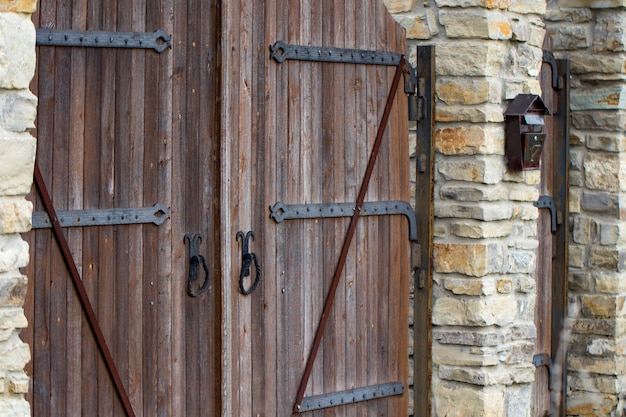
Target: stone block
{"points": [[607, 142], [601, 203], [607, 258], [595, 365], [608, 32], [470, 58], [470, 286], [612, 234], [601, 347], [13, 406], [481, 230], [475, 260], [468, 337], [584, 230], [399, 6], [526, 177], [17, 383], [525, 284], [461, 400], [612, 98], [15, 215], [12, 289], [586, 63], [527, 61], [489, 4], [516, 353], [518, 192], [14, 354], [609, 283], [17, 161], [18, 109], [523, 330], [18, 6], [575, 201], [462, 356], [472, 192], [12, 318], [13, 253], [485, 170], [577, 256], [473, 91], [495, 310], [475, 23], [485, 113], [470, 140], [17, 53], [528, 6], [600, 326], [603, 306], [568, 15], [570, 38], [521, 263], [518, 400], [613, 121], [580, 281], [592, 4], [485, 212], [598, 384], [420, 24]]}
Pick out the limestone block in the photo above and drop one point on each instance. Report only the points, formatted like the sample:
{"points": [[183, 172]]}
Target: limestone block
{"points": [[569, 38], [607, 258], [18, 6], [523, 330], [528, 6], [517, 353], [518, 400], [461, 400], [18, 110], [613, 121], [462, 356], [599, 383], [18, 383], [596, 365], [580, 281], [601, 203], [521, 262], [528, 30], [468, 91], [613, 98], [13, 252], [504, 285], [603, 306], [473, 192], [484, 212], [577, 256], [607, 142], [17, 53], [12, 318], [481, 230], [475, 23], [17, 161], [12, 289], [519, 192], [420, 24], [525, 284], [568, 15], [612, 234], [584, 229], [485, 113], [470, 140], [495, 310], [608, 32], [575, 198], [469, 337], [600, 326], [527, 60], [489, 4], [470, 286], [470, 58], [601, 347], [399, 6], [585, 63], [15, 215], [14, 354], [526, 177], [470, 259], [485, 170], [593, 4], [13, 405]]}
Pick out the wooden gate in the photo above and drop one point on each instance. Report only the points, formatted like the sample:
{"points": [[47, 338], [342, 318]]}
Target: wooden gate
{"points": [[277, 131]]}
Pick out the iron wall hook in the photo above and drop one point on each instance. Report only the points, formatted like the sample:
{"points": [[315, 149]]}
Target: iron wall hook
{"points": [[194, 263], [247, 259]]}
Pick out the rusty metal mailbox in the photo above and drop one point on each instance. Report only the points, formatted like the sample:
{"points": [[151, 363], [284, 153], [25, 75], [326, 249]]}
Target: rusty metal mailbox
{"points": [[525, 132]]}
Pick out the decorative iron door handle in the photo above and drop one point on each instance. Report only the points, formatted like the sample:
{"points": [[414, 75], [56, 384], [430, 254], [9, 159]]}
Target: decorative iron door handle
{"points": [[194, 263], [247, 259]]}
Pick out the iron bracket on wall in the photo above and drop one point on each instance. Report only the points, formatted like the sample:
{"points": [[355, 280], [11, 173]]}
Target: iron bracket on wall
{"points": [[317, 402], [156, 214], [548, 58], [280, 52], [545, 201], [157, 40], [281, 211]]}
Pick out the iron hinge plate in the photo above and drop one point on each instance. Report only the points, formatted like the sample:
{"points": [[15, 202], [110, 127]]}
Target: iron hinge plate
{"points": [[156, 214], [317, 402], [280, 52], [158, 40]]}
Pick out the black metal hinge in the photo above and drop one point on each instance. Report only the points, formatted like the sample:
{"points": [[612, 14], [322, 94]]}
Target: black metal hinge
{"points": [[281, 52], [545, 201], [158, 40], [156, 214]]}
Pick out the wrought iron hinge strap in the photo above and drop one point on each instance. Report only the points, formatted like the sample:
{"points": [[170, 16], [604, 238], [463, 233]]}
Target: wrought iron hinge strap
{"points": [[158, 40], [545, 201], [281, 52], [281, 211], [156, 214], [352, 396]]}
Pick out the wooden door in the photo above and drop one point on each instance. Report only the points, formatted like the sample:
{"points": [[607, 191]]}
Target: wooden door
{"points": [[124, 129], [302, 132], [550, 312]]}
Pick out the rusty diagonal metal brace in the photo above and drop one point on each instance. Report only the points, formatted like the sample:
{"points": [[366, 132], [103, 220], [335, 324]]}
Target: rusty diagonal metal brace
{"points": [[82, 293], [330, 298]]}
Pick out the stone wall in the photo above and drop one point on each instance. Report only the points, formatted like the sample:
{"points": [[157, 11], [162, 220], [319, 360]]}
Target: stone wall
{"points": [[17, 155], [487, 52], [592, 34]]}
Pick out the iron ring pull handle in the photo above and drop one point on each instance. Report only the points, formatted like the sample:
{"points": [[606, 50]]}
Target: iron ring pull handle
{"points": [[194, 263], [247, 259]]}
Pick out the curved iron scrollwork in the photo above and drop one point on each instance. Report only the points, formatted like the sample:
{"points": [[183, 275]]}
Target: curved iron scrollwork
{"points": [[247, 259], [194, 264]]}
